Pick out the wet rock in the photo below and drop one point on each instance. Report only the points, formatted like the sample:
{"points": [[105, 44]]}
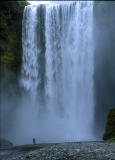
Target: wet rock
{"points": [[5, 143], [67, 151]]}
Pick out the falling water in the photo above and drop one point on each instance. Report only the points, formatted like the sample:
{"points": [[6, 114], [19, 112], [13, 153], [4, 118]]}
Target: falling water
{"points": [[57, 69]]}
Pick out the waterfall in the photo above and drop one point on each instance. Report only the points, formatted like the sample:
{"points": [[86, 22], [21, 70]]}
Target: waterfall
{"points": [[57, 69]]}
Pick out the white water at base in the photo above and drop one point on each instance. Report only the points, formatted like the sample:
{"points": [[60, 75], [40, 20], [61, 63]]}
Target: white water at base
{"points": [[57, 71]]}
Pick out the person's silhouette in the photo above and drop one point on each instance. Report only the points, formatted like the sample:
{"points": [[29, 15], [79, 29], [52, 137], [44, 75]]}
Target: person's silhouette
{"points": [[34, 141]]}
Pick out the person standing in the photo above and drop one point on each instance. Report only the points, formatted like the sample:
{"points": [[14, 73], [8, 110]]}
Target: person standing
{"points": [[34, 141]]}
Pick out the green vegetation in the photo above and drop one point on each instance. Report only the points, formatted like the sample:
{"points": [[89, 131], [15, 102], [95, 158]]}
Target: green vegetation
{"points": [[11, 13], [110, 127]]}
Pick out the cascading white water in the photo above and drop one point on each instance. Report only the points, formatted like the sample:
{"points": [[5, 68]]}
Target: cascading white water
{"points": [[30, 52], [58, 66]]}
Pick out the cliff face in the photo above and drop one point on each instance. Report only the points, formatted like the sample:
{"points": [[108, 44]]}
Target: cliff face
{"points": [[11, 13], [104, 75]]}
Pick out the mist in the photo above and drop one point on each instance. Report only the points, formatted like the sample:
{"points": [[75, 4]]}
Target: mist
{"points": [[26, 112]]}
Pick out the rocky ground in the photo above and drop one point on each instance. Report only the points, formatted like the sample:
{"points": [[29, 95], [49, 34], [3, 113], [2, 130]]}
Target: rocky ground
{"points": [[61, 151]]}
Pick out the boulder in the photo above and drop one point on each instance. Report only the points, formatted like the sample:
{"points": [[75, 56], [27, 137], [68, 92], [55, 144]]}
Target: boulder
{"points": [[5, 143]]}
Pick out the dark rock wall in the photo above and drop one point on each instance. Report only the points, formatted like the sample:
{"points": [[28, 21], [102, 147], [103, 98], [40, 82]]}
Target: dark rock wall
{"points": [[11, 13], [104, 77]]}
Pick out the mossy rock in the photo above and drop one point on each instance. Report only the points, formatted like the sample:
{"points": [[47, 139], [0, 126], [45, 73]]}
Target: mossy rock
{"points": [[110, 127], [5, 143], [11, 33]]}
